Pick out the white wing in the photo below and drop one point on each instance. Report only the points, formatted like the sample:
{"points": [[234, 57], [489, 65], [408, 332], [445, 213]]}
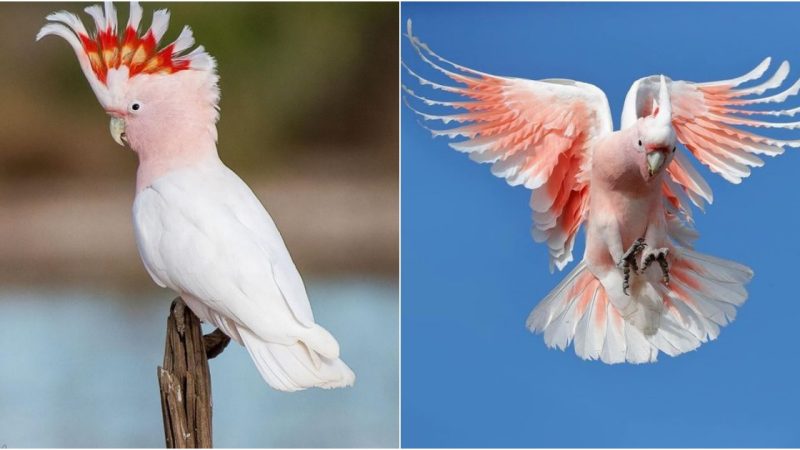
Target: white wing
{"points": [[202, 232]]}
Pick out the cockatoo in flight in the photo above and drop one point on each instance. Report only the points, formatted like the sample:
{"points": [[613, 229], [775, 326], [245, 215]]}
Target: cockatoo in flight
{"points": [[640, 287], [200, 230]]}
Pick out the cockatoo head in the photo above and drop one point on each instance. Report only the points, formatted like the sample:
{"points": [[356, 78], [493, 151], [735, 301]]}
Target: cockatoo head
{"points": [[154, 96], [655, 137]]}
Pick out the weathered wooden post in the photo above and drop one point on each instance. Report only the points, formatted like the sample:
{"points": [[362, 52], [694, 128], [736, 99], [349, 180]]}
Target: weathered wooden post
{"points": [[185, 380]]}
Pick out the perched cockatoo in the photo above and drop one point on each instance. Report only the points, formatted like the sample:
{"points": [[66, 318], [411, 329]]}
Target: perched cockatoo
{"points": [[640, 287], [199, 228]]}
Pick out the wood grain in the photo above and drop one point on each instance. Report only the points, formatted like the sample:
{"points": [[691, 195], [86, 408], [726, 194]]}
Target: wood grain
{"points": [[185, 380]]}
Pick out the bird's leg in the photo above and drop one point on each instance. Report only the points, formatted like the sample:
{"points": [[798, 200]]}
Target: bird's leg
{"points": [[660, 255], [628, 261], [662, 261], [215, 342]]}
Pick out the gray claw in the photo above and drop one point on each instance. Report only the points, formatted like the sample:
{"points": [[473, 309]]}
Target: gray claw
{"points": [[628, 261], [659, 255]]}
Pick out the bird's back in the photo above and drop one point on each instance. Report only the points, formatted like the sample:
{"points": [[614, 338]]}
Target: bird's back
{"points": [[201, 230], [203, 233]]}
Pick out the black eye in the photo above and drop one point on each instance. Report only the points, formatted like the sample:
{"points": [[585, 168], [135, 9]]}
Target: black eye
{"points": [[640, 143], [135, 106], [674, 148]]}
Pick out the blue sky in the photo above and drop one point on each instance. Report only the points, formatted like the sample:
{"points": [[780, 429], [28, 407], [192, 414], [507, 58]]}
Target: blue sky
{"points": [[472, 374]]}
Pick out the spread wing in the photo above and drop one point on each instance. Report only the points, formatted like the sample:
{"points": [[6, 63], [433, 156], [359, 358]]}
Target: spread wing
{"points": [[535, 133], [711, 121]]}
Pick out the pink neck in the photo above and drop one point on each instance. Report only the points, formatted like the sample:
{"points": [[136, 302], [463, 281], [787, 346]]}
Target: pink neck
{"points": [[173, 156]]}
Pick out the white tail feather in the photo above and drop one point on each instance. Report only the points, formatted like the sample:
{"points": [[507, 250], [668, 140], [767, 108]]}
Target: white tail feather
{"points": [[285, 367], [295, 367], [702, 297]]}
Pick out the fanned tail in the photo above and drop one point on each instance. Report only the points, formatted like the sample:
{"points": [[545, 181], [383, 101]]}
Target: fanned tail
{"points": [[703, 295], [578, 310]]}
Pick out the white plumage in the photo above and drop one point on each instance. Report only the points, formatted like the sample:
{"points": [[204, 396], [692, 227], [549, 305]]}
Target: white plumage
{"points": [[202, 232], [577, 311], [200, 229]]}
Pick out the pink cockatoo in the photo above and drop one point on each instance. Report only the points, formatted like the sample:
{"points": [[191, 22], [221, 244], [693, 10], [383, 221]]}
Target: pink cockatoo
{"points": [[200, 230], [640, 287]]}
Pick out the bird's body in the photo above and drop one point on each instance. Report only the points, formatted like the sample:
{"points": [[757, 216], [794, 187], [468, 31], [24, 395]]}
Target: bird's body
{"points": [[622, 205], [203, 233], [200, 229], [640, 288]]}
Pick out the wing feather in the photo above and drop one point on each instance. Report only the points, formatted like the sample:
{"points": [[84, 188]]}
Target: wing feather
{"points": [[220, 246], [534, 133], [708, 119]]}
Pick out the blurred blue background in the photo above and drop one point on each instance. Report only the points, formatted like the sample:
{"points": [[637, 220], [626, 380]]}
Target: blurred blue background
{"points": [[79, 370], [473, 376]]}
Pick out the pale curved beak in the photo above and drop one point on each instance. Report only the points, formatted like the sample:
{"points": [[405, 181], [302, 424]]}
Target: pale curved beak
{"points": [[655, 160], [117, 128]]}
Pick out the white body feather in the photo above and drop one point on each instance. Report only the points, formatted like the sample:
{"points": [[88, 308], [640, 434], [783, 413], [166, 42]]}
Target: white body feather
{"points": [[202, 232]]}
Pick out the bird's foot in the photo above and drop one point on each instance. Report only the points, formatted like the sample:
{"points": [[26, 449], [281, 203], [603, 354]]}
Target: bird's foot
{"points": [[215, 342], [628, 262], [660, 255]]}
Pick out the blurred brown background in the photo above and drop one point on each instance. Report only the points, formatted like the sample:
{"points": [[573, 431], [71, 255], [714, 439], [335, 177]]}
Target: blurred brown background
{"points": [[308, 119]]}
